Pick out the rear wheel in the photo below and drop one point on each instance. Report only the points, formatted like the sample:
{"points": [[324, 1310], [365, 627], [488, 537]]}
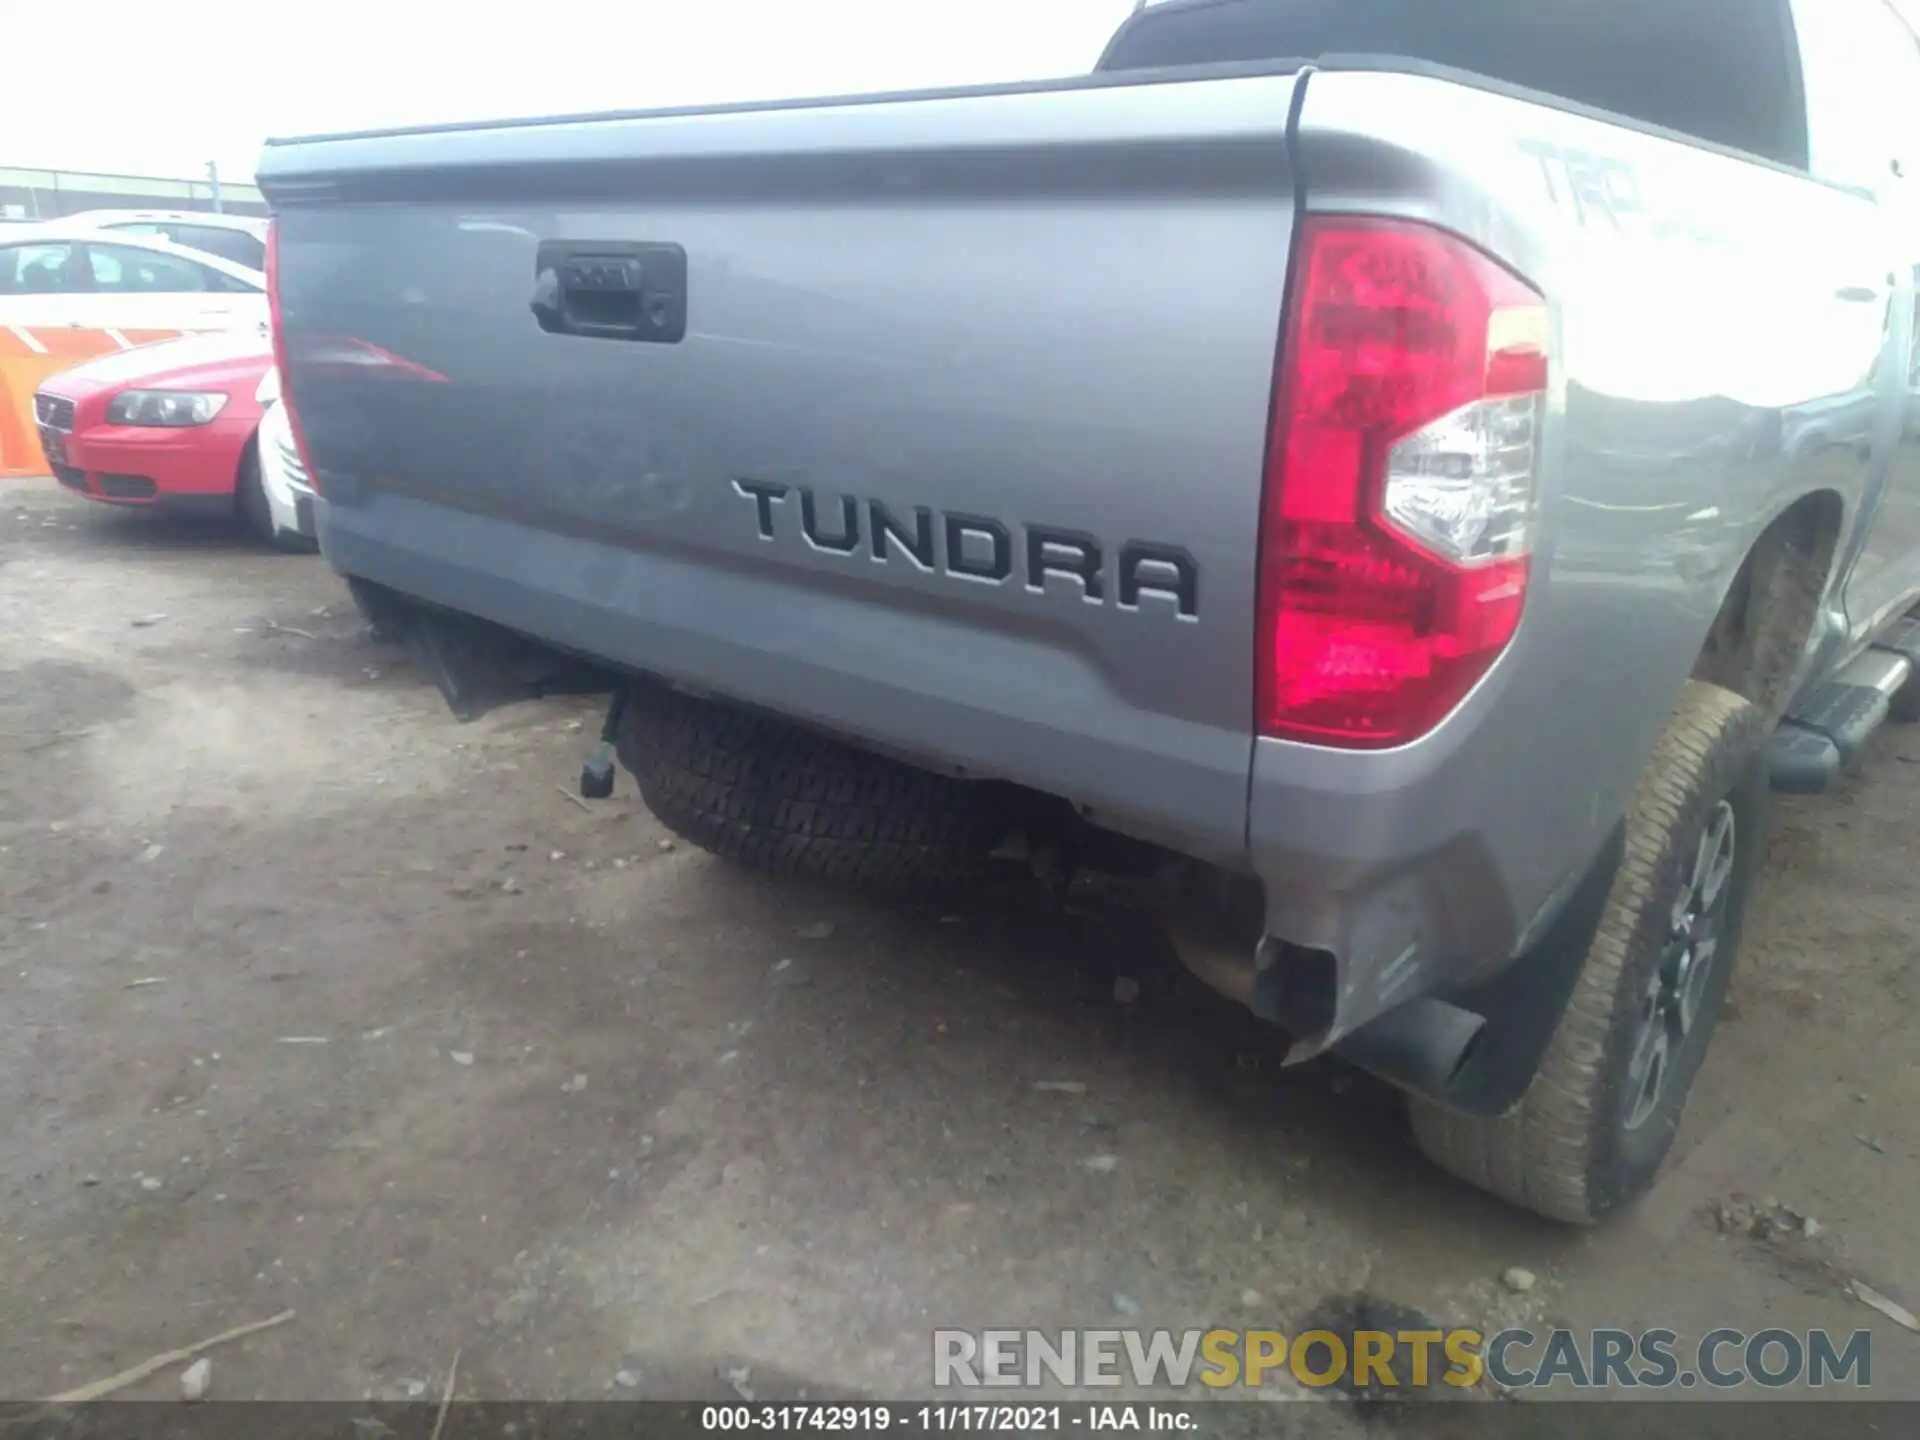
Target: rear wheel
{"points": [[1602, 1112], [788, 800]]}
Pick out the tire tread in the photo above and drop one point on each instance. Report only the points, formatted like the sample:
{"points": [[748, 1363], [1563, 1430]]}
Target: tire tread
{"points": [[1544, 1154], [790, 801]]}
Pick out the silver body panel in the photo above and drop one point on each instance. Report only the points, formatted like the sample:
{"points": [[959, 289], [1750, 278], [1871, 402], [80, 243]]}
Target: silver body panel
{"points": [[1051, 309], [1729, 339], [1060, 308]]}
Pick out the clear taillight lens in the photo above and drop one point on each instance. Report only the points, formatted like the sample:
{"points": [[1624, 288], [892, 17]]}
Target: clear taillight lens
{"points": [[1401, 482], [1463, 486]]}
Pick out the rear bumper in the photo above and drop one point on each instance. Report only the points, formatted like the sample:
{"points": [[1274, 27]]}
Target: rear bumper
{"points": [[1386, 878], [1468, 1036], [918, 682], [1430, 871]]}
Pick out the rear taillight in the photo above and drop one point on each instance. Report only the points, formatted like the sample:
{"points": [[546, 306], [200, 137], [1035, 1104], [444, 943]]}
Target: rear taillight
{"points": [[280, 354], [1400, 486]]}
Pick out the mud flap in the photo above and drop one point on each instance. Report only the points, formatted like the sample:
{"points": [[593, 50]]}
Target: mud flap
{"points": [[1524, 1002]]}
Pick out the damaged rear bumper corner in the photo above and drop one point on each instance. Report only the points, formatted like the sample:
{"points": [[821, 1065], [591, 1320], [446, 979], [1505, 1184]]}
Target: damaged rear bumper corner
{"points": [[1472, 1044]]}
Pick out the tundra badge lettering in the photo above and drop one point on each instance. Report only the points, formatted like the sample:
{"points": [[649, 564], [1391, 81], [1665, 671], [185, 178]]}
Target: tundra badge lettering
{"points": [[982, 550]]}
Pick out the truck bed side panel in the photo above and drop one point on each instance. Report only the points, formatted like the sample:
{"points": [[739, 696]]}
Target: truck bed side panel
{"points": [[1028, 336]]}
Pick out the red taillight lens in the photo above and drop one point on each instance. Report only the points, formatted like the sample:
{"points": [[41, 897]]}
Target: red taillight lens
{"points": [[279, 331], [1398, 515]]}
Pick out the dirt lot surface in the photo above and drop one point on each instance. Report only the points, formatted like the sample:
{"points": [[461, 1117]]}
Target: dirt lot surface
{"points": [[312, 998]]}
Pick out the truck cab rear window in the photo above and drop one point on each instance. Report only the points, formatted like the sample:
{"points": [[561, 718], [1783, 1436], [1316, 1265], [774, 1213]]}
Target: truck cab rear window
{"points": [[1722, 71]]}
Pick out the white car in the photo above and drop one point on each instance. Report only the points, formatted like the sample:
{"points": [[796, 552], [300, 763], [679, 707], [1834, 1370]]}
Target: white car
{"points": [[283, 475], [60, 284], [239, 238]]}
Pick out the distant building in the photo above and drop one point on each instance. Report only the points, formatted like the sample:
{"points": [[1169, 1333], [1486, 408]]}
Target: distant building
{"points": [[49, 194]]}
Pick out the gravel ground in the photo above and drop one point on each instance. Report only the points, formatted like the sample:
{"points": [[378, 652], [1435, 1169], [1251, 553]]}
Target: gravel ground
{"points": [[312, 998]]}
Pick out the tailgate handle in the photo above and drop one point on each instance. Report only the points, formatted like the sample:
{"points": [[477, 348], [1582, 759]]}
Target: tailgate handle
{"points": [[611, 290]]}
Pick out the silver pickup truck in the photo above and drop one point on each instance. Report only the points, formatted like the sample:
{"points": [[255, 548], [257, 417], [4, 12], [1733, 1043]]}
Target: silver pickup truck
{"points": [[1400, 481]]}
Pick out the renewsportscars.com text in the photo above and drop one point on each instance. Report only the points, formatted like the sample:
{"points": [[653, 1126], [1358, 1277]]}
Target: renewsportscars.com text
{"points": [[1516, 1359]]}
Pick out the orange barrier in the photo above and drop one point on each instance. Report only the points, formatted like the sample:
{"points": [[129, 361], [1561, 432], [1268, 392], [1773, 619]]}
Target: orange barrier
{"points": [[29, 356]]}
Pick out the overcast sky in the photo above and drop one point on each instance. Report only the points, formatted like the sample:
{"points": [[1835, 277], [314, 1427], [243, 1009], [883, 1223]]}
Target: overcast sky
{"points": [[148, 87], [152, 88]]}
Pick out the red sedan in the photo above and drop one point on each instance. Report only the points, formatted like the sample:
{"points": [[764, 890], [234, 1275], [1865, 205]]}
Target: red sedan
{"points": [[169, 425]]}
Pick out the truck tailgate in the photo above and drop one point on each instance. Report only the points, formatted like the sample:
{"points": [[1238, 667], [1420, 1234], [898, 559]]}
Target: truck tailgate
{"points": [[960, 450]]}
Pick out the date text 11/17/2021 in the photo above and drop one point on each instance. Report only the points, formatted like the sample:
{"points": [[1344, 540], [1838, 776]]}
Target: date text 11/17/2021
{"points": [[949, 1419]]}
